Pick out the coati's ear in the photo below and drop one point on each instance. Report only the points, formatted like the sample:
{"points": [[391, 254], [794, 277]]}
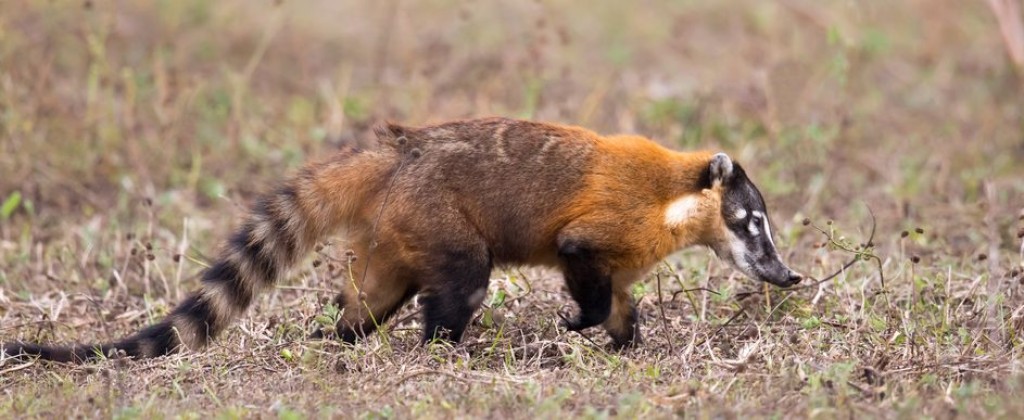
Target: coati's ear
{"points": [[392, 135], [720, 169], [389, 131]]}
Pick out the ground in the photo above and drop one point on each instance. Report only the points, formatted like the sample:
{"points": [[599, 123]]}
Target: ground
{"points": [[131, 136]]}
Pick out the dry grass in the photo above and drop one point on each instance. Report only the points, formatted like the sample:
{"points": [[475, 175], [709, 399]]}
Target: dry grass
{"points": [[132, 135]]}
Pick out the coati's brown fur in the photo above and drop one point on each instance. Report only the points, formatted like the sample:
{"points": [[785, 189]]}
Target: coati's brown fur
{"points": [[432, 210]]}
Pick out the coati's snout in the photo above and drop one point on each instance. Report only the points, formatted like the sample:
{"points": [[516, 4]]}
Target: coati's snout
{"points": [[746, 239]]}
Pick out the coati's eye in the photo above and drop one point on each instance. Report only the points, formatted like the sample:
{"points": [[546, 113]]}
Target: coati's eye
{"points": [[759, 221], [754, 227]]}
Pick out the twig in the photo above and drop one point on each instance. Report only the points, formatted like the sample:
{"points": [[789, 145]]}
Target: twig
{"points": [[664, 320], [776, 307], [17, 368], [836, 325], [182, 248], [676, 293]]}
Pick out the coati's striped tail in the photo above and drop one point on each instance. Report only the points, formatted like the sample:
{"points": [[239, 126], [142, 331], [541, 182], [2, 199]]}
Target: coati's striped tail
{"points": [[281, 228]]}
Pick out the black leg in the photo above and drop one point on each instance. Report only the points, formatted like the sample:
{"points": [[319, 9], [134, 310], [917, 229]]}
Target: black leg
{"points": [[589, 284], [456, 290]]}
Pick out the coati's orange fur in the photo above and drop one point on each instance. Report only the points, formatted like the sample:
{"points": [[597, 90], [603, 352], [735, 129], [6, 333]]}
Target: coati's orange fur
{"points": [[432, 210]]}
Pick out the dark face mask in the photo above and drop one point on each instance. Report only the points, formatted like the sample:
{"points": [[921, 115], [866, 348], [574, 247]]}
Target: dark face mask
{"points": [[748, 243]]}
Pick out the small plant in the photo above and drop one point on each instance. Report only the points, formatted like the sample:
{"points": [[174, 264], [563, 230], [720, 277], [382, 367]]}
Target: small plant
{"points": [[9, 205], [328, 318]]}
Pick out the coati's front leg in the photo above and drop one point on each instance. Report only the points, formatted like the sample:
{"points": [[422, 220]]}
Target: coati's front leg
{"points": [[622, 325], [589, 284], [604, 297]]}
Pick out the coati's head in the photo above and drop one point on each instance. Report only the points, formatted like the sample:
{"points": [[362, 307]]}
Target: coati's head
{"points": [[744, 237]]}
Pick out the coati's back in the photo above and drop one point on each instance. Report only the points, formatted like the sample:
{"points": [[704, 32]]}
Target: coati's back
{"points": [[503, 175]]}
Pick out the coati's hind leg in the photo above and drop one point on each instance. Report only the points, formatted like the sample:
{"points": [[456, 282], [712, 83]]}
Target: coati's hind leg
{"points": [[367, 301], [455, 285], [369, 307]]}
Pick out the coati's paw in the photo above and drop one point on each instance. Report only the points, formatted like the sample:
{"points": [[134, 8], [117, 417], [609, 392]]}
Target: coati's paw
{"points": [[320, 334], [577, 322]]}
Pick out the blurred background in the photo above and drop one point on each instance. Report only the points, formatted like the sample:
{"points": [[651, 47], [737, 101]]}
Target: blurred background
{"points": [[912, 107], [133, 133]]}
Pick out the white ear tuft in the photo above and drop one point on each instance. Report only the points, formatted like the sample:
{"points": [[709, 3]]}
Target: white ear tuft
{"points": [[721, 168]]}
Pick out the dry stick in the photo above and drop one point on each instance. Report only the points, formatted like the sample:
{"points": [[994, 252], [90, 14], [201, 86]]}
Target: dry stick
{"points": [[145, 254], [994, 321], [664, 320], [16, 368], [676, 293], [182, 248]]}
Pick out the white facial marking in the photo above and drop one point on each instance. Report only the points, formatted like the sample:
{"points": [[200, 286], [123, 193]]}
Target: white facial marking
{"points": [[752, 228], [767, 228], [681, 210], [739, 253], [740, 214]]}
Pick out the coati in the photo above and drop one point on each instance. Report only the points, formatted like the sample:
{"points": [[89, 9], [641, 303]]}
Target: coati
{"points": [[432, 210]]}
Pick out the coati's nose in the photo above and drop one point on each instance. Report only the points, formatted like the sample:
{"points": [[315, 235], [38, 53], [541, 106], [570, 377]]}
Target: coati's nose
{"points": [[794, 277]]}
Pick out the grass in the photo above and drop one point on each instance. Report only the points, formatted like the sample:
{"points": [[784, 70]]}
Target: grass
{"points": [[133, 135]]}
